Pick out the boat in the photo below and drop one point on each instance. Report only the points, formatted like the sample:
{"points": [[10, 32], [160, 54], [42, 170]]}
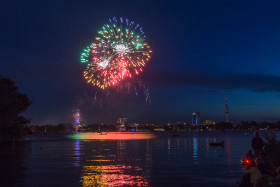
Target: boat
{"points": [[216, 143]]}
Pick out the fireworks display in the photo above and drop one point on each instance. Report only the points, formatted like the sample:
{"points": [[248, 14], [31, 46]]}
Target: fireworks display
{"points": [[77, 117], [119, 52]]}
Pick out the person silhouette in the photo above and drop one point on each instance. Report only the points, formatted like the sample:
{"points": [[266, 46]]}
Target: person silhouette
{"points": [[257, 144]]}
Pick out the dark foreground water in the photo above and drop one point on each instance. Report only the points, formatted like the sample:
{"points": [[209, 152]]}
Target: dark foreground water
{"points": [[166, 160]]}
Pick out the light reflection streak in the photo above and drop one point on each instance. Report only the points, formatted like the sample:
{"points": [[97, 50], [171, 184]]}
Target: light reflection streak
{"points": [[207, 144], [121, 148], [148, 158], [228, 151], [178, 145], [168, 146], [77, 153], [195, 150], [230, 180]]}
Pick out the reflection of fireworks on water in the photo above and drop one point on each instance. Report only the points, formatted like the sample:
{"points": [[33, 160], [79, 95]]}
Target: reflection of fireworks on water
{"points": [[113, 175], [113, 136], [117, 57]]}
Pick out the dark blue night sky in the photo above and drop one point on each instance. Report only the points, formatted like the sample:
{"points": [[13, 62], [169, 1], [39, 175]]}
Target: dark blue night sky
{"points": [[203, 51]]}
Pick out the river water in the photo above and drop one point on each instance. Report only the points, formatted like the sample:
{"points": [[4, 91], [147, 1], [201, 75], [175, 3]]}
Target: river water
{"points": [[124, 159]]}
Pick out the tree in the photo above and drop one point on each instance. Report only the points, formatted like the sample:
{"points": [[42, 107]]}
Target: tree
{"points": [[12, 104]]}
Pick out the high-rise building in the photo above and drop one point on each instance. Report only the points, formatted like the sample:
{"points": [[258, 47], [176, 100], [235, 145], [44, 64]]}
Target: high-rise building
{"points": [[196, 118], [227, 111]]}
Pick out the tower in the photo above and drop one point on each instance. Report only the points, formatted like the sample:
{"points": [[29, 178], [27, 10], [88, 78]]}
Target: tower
{"points": [[227, 120], [196, 118]]}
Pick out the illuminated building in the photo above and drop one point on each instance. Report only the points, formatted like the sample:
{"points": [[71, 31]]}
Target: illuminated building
{"points": [[196, 118], [209, 122], [121, 124]]}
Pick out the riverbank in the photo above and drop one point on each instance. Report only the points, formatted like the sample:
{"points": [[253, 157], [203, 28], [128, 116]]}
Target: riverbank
{"points": [[267, 163]]}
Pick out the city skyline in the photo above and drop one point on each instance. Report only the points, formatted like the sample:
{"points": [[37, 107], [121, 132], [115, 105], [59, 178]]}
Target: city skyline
{"points": [[203, 53]]}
